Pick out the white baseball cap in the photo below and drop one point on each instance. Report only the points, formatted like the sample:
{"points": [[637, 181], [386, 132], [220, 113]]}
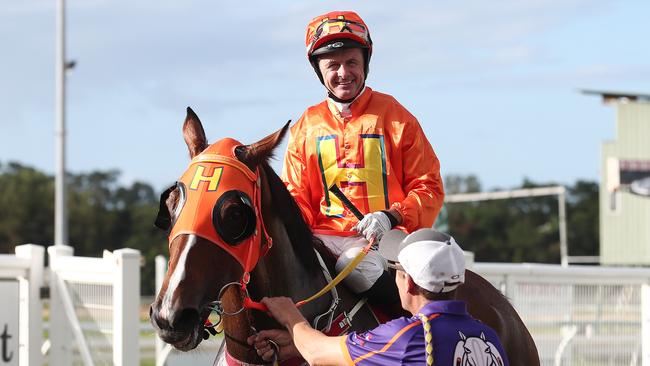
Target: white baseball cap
{"points": [[433, 259]]}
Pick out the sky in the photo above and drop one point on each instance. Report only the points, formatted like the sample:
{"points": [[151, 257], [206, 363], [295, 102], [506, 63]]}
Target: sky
{"points": [[494, 84]]}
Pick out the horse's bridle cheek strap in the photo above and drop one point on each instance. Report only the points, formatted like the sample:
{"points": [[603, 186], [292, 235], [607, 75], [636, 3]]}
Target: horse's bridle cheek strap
{"points": [[265, 242]]}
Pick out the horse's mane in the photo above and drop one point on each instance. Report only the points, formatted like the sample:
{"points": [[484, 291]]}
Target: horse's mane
{"points": [[302, 239]]}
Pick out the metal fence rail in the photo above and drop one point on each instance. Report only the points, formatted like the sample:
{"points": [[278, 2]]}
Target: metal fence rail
{"points": [[580, 315]]}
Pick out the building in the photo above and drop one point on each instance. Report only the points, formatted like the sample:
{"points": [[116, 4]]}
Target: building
{"points": [[625, 182]]}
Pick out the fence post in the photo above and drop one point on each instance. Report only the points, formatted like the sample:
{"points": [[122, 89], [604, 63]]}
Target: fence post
{"points": [[645, 324], [30, 334], [126, 306], [60, 334]]}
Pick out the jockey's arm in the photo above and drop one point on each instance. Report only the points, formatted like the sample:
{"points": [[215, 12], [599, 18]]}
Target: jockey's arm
{"points": [[422, 182]]}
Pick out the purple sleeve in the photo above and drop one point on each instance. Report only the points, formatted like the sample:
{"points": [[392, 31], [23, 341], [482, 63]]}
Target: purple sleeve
{"points": [[384, 345]]}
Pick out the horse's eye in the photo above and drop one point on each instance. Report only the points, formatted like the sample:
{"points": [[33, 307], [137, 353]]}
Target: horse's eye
{"points": [[233, 217]]}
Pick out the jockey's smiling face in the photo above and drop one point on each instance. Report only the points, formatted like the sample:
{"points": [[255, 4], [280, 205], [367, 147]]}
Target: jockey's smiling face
{"points": [[343, 72]]}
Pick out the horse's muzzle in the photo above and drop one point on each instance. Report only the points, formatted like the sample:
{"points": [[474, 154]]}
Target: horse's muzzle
{"points": [[182, 329]]}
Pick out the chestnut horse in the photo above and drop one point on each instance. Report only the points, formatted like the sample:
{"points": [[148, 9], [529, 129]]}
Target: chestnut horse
{"points": [[238, 235]]}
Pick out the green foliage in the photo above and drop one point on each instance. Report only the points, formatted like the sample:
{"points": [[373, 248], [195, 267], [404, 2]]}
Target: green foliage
{"points": [[102, 214], [523, 229], [26, 206], [582, 214]]}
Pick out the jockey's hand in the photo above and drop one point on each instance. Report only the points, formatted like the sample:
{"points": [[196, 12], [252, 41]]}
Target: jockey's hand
{"points": [[373, 226]]}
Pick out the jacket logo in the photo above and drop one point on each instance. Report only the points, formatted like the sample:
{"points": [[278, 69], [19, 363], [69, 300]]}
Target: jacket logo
{"points": [[476, 351], [365, 176]]}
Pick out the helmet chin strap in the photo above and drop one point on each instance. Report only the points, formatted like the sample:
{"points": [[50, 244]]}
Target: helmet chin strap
{"points": [[339, 100]]}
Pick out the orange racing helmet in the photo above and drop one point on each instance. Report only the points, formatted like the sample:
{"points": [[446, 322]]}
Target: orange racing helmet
{"points": [[334, 31]]}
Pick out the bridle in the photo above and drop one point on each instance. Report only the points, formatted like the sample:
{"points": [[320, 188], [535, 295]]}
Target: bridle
{"points": [[211, 177]]}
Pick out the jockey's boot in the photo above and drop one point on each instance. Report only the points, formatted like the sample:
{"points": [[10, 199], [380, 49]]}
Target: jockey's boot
{"points": [[384, 295]]}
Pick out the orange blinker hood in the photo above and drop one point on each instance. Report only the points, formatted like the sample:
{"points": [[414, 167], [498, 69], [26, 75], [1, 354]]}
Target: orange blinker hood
{"points": [[212, 173]]}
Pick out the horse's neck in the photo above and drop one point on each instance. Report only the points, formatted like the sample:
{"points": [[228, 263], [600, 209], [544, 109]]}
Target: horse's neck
{"points": [[279, 273], [283, 273]]}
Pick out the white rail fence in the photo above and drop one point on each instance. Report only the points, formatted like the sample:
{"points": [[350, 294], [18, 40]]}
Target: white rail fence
{"points": [[94, 304], [93, 313], [580, 315]]}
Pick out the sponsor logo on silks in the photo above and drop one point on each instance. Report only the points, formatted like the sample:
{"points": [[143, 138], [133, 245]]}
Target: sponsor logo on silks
{"points": [[212, 178], [366, 176], [476, 351]]}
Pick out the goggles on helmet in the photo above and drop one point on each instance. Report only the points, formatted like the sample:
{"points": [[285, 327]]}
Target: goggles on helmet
{"points": [[338, 27]]}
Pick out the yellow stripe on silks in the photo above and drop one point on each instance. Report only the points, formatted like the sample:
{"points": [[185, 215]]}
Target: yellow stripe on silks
{"points": [[427, 338]]}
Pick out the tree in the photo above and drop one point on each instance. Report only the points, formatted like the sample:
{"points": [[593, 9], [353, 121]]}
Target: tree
{"points": [[26, 206], [102, 214], [524, 229], [583, 218]]}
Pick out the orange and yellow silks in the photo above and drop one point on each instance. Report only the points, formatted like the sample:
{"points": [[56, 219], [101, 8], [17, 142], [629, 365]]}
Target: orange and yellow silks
{"points": [[379, 157]]}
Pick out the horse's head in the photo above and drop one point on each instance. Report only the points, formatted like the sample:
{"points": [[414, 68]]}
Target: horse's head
{"points": [[216, 232]]}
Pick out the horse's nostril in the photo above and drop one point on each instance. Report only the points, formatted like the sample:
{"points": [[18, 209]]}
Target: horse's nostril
{"points": [[186, 318], [156, 319]]}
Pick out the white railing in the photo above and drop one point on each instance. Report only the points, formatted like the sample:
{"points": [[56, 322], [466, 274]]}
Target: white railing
{"points": [[26, 266], [580, 315], [94, 306]]}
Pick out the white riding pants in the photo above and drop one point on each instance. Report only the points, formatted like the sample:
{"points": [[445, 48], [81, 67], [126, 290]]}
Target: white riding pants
{"points": [[346, 249]]}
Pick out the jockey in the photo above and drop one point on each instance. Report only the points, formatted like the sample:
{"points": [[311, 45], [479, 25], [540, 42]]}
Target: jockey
{"points": [[366, 143], [429, 267]]}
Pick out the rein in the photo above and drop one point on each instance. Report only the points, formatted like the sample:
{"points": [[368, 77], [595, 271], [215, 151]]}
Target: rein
{"points": [[251, 304], [216, 307]]}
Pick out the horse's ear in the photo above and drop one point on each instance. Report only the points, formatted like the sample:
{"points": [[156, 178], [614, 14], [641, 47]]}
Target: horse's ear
{"points": [[462, 336], [255, 154], [193, 133]]}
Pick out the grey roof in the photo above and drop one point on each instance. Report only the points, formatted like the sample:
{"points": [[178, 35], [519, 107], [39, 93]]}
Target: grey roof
{"points": [[613, 96]]}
